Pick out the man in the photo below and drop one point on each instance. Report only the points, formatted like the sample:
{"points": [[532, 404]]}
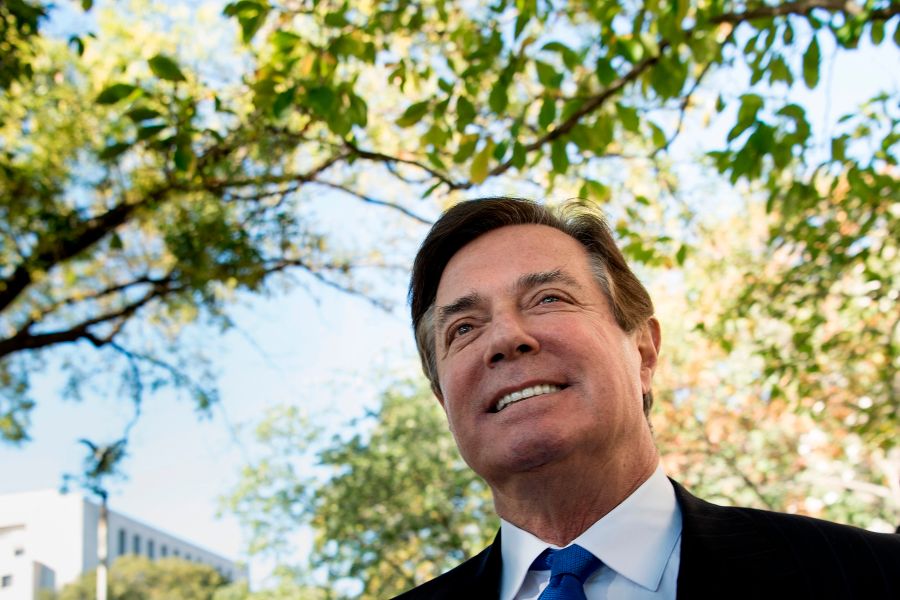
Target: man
{"points": [[540, 344]]}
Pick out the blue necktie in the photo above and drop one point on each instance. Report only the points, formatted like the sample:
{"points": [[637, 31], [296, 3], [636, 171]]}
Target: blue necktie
{"points": [[569, 569]]}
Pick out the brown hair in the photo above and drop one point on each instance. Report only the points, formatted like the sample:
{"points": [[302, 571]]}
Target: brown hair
{"points": [[629, 300]]}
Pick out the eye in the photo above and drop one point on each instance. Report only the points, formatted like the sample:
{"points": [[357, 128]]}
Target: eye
{"points": [[549, 299], [462, 329]]}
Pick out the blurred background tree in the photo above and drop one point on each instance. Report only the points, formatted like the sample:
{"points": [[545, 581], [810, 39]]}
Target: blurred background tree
{"points": [[139, 578], [391, 505]]}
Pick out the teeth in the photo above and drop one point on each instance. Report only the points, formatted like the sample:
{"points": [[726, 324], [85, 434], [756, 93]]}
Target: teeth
{"points": [[529, 392]]}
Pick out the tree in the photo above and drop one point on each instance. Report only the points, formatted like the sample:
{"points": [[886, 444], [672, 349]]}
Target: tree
{"points": [[391, 507], [720, 429], [139, 578], [19, 21], [140, 192]]}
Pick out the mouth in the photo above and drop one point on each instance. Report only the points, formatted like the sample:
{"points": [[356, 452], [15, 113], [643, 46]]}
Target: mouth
{"points": [[528, 392]]}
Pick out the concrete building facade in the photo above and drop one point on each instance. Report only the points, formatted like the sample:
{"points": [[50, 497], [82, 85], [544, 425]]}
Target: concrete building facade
{"points": [[48, 539]]}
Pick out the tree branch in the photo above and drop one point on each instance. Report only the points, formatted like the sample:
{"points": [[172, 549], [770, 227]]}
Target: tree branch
{"points": [[594, 103], [298, 178], [279, 265], [49, 253], [25, 340], [805, 7], [386, 158], [370, 200]]}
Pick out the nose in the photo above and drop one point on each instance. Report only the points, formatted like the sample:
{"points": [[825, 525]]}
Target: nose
{"points": [[510, 338]]}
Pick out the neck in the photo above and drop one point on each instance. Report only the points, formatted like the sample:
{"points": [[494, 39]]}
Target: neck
{"points": [[557, 503]]}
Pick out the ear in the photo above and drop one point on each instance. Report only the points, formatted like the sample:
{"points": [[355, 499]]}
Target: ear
{"points": [[649, 341], [436, 389]]}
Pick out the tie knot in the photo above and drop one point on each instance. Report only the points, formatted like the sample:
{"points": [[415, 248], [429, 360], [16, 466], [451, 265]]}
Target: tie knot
{"points": [[573, 560]]}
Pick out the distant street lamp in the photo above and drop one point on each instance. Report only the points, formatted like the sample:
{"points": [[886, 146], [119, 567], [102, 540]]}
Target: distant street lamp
{"points": [[100, 463]]}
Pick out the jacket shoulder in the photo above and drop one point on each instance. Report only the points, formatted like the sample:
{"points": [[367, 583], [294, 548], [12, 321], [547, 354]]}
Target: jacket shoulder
{"points": [[809, 557]]}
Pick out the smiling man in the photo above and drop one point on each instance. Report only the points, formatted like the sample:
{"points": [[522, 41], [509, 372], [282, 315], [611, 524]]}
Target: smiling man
{"points": [[540, 345]]}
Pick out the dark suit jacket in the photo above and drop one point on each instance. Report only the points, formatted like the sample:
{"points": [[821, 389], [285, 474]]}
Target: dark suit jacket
{"points": [[729, 552]]}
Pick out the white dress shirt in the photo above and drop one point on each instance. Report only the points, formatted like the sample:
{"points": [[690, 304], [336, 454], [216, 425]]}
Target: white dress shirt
{"points": [[639, 542]]}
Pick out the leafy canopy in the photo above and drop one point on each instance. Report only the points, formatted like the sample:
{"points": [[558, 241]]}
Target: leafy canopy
{"points": [[140, 191]]}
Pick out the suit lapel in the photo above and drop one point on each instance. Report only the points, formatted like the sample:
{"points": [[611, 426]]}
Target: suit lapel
{"points": [[486, 577]]}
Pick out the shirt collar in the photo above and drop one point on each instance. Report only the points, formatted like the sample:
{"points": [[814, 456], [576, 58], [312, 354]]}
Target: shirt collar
{"points": [[635, 539]]}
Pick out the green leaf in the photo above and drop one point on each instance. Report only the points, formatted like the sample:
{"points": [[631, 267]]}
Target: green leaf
{"points": [[750, 106], [499, 97], [877, 32], [413, 114], [184, 155], [149, 131], [559, 158], [114, 93], [500, 151], [283, 101], [466, 147], [658, 135], [285, 40], [596, 191], [436, 136], [479, 170], [720, 103], [165, 68], [629, 117], [115, 241], [142, 113], [839, 148], [250, 14], [358, 111], [605, 73], [547, 75], [113, 150], [521, 21], [336, 18], [518, 156], [321, 99], [547, 113], [681, 255], [631, 49], [77, 44], [465, 112], [811, 59]]}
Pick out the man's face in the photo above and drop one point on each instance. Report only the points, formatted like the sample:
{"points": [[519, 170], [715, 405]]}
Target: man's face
{"points": [[520, 314]]}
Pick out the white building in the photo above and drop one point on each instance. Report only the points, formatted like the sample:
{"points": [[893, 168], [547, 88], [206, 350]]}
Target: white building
{"points": [[48, 539]]}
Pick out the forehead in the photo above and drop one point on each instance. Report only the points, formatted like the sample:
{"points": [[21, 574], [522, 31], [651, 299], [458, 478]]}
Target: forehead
{"points": [[502, 255]]}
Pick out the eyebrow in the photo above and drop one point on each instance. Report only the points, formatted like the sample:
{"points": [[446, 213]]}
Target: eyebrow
{"points": [[533, 280], [523, 283], [459, 305]]}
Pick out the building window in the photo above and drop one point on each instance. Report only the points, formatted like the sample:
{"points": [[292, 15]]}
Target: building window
{"points": [[163, 551], [6, 581], [187, 557], [123, 542], [19, 551], [175, 552], [150, 549], [136, 544]]}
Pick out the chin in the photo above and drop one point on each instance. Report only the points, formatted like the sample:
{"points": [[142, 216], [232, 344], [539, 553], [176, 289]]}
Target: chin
{"points": [[531, 453]]}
